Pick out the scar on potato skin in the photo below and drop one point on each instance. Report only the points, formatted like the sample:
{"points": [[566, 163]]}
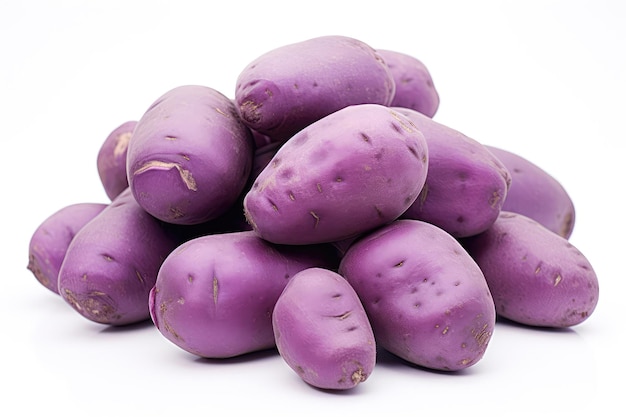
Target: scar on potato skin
{"points": [[215, 289], [316, 217], [185, 174]]}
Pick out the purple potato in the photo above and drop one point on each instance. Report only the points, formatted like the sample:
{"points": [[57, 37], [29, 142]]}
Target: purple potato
{"points": [[111, 160], [414, 85], [190, 156], [354, 170], [466, 184], [112, 263], [215, 294], [322, 331], [536, 276], [537, 194], [427, 300], [290, 87], [52, 237]]}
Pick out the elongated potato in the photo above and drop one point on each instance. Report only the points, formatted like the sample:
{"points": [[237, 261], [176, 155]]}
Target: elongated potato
{"points": [[536, 276], [322, 331], [215, 294], [354, 170], [111, 159], [537, 194], [112, 263], [414, 84], [190, 156], [426, 298], [290, 87], [49, 242], [466, 184]]}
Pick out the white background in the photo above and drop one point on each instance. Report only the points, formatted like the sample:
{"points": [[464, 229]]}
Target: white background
{"points": [[543, 79]]}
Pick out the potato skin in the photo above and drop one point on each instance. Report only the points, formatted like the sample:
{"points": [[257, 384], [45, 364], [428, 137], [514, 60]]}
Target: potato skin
{"points": [[214, 294], [414, 84], [426, 298], [536, 194], [466, 184], [322, 331], [49, 242], [190, 156], [352, 171], [112, 263], [111, 159], [536, 276], [290, 87]]}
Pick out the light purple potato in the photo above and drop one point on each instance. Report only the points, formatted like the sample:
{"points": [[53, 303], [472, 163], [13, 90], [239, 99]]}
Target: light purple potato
{"points": [[415, 88], [215, 294], [426, 298], [466, 184], [536, 276], [290, 87], [49, 242], [322, 331], [537, 194], [112, 263], [351, 171], [190, 156], [111, 159]]}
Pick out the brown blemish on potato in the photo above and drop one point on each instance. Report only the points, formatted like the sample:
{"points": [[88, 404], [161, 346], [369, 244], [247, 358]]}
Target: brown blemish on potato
{"points": [[185, 175], [139, 277], [166, 325], [250, 111], [121, 143], [482, 336], [403, 122], [494, 199], [567, 225], [319, 187], [33, 266], [171, 138], [445, 330], [358, 376], [291, 196], [342, 316], [399, 264], [316, 217], [181, 300], [222, 112], [176, 212], [215, 289], [557, 279]]}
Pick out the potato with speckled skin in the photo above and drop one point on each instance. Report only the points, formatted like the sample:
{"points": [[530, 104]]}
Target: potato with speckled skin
{"points": [[49, 242], [414, 85], [536, 276], [322, 331], [426, 298], [290, 87], [354, 170], [190, 156], [112, 263], [214, 295], [536, 194], [111, 159], [466, 184]]}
